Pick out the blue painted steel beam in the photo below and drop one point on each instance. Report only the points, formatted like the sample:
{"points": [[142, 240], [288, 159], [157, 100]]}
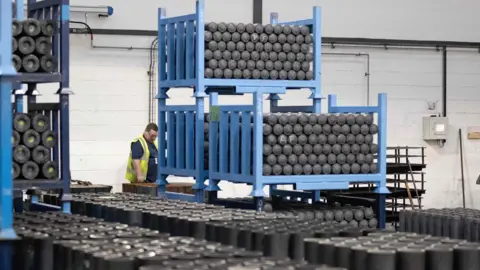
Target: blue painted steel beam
{"points": [[7, 232], [161, 106], [64, 93], [181, 197]]}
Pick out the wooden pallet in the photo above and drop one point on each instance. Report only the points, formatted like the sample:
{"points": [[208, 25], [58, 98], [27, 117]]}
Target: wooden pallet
{"points": [[151, 189]]}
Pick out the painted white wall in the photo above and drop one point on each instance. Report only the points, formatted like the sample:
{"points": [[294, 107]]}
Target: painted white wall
{"points": [[110, 104], [409, 19]]}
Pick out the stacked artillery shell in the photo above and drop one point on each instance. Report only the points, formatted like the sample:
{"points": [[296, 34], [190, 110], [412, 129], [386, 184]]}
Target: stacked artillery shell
{"points": [[32, 46], [32, 141], [393, 251], [457, 223], [255, 51], [306, 144]]}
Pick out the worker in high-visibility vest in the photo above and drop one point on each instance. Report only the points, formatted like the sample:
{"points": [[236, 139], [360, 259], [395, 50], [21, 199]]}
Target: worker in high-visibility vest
{"points": [[142, 163]]}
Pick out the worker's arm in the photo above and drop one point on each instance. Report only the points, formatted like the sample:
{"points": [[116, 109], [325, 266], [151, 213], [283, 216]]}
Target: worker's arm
{"points": [[138, 171], [137, 153]]}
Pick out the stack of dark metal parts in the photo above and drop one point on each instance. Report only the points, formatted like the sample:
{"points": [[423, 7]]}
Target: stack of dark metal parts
{"points": [[304, 144], [255, 51], [32, 141], [394, 251], [278, 235], [356, 216], [311, 144], [57, 241], [457, 223], [32, 46]]}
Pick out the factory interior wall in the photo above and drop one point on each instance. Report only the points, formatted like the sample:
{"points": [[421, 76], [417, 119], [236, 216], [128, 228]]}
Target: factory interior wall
{"points": [[111, 102]]}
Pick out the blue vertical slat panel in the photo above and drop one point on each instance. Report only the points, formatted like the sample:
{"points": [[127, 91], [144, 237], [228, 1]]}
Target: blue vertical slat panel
{"points": [[223, 153], [180, 140], [20, 10], [162, 61], [171, 51], [171, 139], [190, 51], [189, 140], [47, 13], [213, 157], [55, 41], [30, 14], [234, 141], [246, 143], [180, 51]]}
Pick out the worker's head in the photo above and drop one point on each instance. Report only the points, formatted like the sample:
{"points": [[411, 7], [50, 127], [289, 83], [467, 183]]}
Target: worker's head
{"points": [[151, 132]]}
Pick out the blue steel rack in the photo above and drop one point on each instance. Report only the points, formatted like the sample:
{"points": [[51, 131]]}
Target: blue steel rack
{"points": [[229, 139], [58, 113], [181, 128], [180, 65]]}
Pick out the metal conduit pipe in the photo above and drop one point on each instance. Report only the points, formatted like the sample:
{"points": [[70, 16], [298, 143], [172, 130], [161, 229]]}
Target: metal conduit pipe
{"points": [[367, 73]]}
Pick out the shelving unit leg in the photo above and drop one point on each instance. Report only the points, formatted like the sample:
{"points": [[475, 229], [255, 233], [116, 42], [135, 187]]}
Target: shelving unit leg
{"points": [[65, 150], [382, 189], [64, 93], [274, 98], [199, 185], [7, 73], [257, 188], [17, 87], [162, 137], [212, 187]]}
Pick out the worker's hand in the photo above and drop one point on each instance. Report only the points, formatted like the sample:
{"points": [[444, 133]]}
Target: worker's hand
{"points": [[140, 179]]}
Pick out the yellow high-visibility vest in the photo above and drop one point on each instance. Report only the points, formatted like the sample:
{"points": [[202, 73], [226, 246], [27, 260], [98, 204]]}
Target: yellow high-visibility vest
{"points": [[131, 175]]}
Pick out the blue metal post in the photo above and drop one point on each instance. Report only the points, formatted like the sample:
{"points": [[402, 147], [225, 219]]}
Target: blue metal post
{"points": [[274, 98], [212, 188], [199, 95], [20, 11], [317, 69], [161, 105], [18, 91], [64, 93], [382, 189], [7, 233], [257, 188]]}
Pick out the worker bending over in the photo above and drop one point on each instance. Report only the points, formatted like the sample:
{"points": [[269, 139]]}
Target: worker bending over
{"points": [[142, 163]]}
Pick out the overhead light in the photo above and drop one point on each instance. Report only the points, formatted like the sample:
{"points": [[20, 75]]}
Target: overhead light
{"points": [[101, 11]]}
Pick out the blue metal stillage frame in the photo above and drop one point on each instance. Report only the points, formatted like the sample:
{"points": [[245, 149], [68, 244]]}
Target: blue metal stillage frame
{"points": [[181, 128], [59, 11]]}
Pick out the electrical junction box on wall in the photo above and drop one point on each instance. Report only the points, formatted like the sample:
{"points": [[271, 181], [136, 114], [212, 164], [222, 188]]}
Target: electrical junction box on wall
{"points": [[435, 128]]}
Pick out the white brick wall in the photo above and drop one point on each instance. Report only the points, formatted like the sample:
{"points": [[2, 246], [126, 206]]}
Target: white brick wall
{"points": [[110, 105]]}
